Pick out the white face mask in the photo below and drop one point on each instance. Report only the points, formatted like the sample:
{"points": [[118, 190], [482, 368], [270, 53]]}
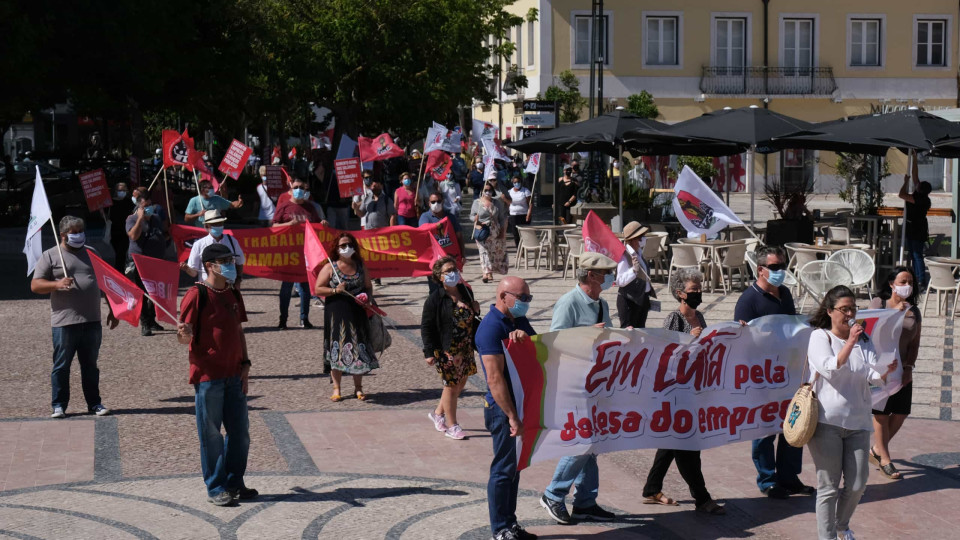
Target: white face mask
{"points": [[436, 207], [346, 251], [643, 242], [903, 291]]}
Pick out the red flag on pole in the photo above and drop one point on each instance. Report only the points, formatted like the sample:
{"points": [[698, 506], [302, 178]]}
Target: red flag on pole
{"points": [[125, 298], [598, 238], [378, 148], [160, 279], [292, 154], [314, 256], [175, 152], [439, 164], [275, 155], [192, 154]]}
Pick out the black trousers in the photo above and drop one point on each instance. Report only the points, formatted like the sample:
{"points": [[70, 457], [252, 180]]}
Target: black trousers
{"points": [[512, 224], [148, 313], [631, 313], [688, 463]]}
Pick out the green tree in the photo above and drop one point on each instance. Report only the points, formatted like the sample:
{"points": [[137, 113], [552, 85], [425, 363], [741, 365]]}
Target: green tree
{"points": [[642, 105], [568, 96]]}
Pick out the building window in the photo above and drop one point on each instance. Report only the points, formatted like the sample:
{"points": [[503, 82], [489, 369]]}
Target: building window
{"points": [[530, 47], [865, 42], [931, 42], [797, 46], [583, 25], [519, 44], [731, 44], [662, 42]]}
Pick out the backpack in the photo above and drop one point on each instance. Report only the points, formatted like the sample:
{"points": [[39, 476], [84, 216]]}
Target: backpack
{"points": [[203, 297]]}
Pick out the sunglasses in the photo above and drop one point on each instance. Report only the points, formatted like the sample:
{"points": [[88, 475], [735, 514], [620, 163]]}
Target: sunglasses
{"points": [[345, 245], [433, 201], [775, 267], [521, 297]]}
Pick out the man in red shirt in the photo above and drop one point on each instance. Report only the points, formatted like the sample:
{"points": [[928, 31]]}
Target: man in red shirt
{"points": [[293, 211], [212, 312]]}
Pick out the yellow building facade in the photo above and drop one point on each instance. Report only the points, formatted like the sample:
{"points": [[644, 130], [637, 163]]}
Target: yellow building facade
{"points": [[815, 60]]}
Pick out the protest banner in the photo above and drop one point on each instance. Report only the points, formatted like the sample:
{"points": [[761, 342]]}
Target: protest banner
{"points": [[278, 252], [591, 390], [598, 238], [234, 160], [275, 182], [698, 208], [349, 176], [125, 298], [378, 148], [95, 190], [160, 279]]}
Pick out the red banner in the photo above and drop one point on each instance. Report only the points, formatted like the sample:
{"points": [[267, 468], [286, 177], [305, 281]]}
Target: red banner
{"points": [[276, 184], [598, 238], [378, 148], [439, 164], [175, 151], [125, 298], [95, 190], [278, 252], [314, 255], [235, 159], [349, 176], [160, 279]]}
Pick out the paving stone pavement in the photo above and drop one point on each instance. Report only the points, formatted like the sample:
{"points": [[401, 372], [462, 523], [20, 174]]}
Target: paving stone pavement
{"points": [[377, 469]]}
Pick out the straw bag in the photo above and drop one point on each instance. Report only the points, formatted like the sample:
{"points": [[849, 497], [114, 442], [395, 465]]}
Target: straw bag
{"points": [[802, 414]]}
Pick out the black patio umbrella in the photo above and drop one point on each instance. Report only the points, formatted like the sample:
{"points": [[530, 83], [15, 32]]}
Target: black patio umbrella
{"points": [[603, 133]]}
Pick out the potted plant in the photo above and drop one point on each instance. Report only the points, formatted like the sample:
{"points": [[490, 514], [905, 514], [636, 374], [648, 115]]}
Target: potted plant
{"points": [[790, 202]]}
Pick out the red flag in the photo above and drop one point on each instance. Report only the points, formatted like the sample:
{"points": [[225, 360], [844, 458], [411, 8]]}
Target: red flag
{"points": [[314, 143], [275, 155], [286, 178], [292, 154], [125, 298], [314, 256], [160, 279], [598, 238], [175, 151], [439, 164], [192, 154], [378, 148]]}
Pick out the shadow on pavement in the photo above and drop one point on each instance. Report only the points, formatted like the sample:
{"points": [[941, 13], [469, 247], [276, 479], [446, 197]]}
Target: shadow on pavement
{"points": [[412, 396]]}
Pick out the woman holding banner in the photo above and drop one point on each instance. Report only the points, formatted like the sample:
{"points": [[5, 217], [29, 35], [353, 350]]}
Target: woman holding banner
{"points": [[346, 331], [685, 285], [489, 218], [844, 364]]}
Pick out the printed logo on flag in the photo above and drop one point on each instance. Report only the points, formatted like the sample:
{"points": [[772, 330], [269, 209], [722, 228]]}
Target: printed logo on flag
{"points": [[590, 245], [699, 213], [382, 146], [179, 152], [119, 291], [156, 289]]}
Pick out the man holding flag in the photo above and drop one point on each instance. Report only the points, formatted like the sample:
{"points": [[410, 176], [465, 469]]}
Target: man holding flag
{"points": [[207, 200], [74, 315], [145, 232]]}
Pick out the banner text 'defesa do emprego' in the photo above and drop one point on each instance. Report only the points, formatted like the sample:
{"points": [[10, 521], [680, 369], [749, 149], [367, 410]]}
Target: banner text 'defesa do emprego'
{"points": [[601, 390]]}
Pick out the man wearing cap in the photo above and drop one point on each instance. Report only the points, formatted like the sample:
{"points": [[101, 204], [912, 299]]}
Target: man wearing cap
{"points": [[213, 222], [212, 312], [207, 200], [581, 307], [145, 231], [633, 279]]}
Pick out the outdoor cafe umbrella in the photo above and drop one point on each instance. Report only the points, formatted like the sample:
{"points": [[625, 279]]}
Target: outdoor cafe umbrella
{"points": [[751, 126]]}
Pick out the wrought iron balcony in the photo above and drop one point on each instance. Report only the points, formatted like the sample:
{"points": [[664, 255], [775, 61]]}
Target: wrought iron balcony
{"points": [[760, 80]]}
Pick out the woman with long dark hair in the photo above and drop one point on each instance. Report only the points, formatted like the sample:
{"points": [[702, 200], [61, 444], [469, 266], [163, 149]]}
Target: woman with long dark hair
{"points": [[898, 291], [346, 329], [844, 364]]}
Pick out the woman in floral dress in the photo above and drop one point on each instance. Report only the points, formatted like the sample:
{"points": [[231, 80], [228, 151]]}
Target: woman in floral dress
{"points": [[346, 329], [490, 211]]}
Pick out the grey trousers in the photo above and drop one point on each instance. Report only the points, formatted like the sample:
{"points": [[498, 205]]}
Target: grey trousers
{"points": [[838, 452]]}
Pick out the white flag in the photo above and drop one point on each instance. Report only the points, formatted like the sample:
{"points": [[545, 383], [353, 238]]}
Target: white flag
{"points": [[40, 214], [698, 208], [489, 169], [533, 164], [491, 148], [435, 137], [484, 131]]}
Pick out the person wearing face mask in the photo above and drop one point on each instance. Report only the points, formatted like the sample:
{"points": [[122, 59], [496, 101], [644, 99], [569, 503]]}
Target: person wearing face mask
{"points": [[145, 234], [207, 200], [296, 210], [685, 285], [489, 217], [428, 185], [581, 307], [74, 315], [268, 204], [377, 207], [452, 192], [212, 314], [475, 177], [436, 214], [898, 292], [346, 328], [213, 222], [121, 208], [507, 319], [633, 279], [777, 470], [567, 188], [447, 325], [358, 199], [518, 197], [405, 201]]}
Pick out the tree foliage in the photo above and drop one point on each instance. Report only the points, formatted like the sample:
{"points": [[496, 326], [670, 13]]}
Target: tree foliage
{"points": [[642, 105], [568, 96]]}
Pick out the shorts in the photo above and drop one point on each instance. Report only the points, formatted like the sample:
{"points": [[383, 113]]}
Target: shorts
{"points": [[898, 403]]}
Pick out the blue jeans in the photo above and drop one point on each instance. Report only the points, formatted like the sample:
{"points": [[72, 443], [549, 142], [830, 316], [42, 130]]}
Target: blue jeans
{"points": [[223, 460], [915, 254], [286, 291], [82, 339], [409, 221], [504, 480], [580, 470], [337, 217], [780, 468]]}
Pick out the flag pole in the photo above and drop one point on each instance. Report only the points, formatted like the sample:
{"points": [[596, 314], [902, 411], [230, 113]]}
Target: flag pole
{"points": [[56, 234], [532, 189], [155, 178], [911, 160], [416, 196], [166, 192], [157, 305]]}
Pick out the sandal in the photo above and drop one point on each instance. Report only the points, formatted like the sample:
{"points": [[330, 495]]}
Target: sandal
{"points": [[874, 457], [711, 507], [890, 471], [360, 395], [336, 395], [660, 498]]}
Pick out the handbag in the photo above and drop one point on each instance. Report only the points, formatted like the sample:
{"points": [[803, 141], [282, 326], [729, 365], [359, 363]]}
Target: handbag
{"points": [[481, 233], [380, 339], [802, 413]]}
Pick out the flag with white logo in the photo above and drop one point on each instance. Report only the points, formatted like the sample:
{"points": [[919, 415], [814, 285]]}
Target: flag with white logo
{"points": [[698, 208]]}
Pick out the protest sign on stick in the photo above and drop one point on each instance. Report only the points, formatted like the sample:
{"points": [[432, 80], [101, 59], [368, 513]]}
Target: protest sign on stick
{"points": [[235, 159], [95, 190], [349, 180], [275, 184]]}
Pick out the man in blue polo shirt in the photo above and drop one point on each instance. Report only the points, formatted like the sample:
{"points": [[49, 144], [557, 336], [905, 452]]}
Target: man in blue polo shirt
{"points": [[506, 320], [776, 470]]}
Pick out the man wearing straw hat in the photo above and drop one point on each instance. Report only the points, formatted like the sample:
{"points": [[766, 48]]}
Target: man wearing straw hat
{"points": [[213, 221], [633, 279]]}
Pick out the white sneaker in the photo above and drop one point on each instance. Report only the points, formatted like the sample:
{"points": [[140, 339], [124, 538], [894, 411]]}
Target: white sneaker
{"points": [[454, 432], [58, 413], [845, 535], [439, 421]]}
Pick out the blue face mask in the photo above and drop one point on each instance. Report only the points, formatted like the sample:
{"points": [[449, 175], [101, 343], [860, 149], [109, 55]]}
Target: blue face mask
{"points": [[228, 271], [776, 278], [406, 181], [217, 232], [148, 211], [299, 193], [451, 278], [607, 281], [516, 185], [519, 309]]}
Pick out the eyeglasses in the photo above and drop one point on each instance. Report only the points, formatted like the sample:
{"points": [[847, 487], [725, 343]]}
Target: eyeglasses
{"points": [[774, 267], [521, 297], [847, 310]]}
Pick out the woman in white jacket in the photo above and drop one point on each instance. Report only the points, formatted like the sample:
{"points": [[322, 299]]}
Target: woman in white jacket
{"points": [[843, 362]]}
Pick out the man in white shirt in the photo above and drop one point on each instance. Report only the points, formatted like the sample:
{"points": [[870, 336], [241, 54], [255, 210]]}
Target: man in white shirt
{"points": [[639, 176], [451, 192], [268, 204], [633, 279], [213, 222], [357, 204]]}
